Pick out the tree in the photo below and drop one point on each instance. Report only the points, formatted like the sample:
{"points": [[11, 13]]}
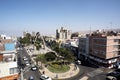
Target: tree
{"points": [[38, 45], [56, 49], [50, 56], [40, 58], [67, 54], [26, 40], [54, 44]]}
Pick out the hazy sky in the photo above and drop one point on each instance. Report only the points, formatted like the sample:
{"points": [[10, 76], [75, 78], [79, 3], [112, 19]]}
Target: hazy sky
{"points": [[46, 16]]}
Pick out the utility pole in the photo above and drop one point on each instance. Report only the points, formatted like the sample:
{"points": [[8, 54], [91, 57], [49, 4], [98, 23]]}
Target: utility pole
{"points": [[21, 74]]}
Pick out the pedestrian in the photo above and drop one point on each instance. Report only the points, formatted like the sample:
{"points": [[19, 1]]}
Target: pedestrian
{"points": [[56, 75], [43, 72]]}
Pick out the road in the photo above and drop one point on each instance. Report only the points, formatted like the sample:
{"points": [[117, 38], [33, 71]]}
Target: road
{"points": [[27, 72]]}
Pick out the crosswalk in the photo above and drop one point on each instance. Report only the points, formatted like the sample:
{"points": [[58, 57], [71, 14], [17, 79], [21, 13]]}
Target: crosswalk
{"points": [[92, 74], [84, 78]]}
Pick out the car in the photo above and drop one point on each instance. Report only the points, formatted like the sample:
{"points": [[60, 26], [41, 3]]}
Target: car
{"points": [[117, 65], [114, 75], [44, 77], [27, 63], [25, 58], [31, 78], [33, 68], [78, 62]]}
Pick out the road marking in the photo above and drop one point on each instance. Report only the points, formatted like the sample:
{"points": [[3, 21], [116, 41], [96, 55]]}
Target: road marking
{"points": [[94, 73], [84, 78]]}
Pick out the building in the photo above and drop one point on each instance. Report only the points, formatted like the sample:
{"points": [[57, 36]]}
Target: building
{"points": [[33, 34], [103, 48], [63, 34], [8, 60], [71, 44], [3, 36], [83, 48]]}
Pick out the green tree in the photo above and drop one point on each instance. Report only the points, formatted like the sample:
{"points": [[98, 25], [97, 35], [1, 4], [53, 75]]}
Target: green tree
{"points": [[67, 54], [26, 40], [56, 49], [38, 45], [50, 56], [40, 58]]}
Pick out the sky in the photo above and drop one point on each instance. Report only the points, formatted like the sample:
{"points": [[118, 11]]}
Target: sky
{"points": [[45, 16]]}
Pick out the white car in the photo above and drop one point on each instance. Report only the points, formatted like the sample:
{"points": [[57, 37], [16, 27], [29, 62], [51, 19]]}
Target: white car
{"points": [[78, 62], [25, 58], [33, 68], [44, 77], [27, 63]]}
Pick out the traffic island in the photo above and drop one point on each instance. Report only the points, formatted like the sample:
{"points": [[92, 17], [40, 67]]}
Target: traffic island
{"points": [[73, 71]]}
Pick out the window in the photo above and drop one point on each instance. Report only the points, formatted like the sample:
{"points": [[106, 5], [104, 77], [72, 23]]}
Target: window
{"points": [[13, 70], [115, 40]]}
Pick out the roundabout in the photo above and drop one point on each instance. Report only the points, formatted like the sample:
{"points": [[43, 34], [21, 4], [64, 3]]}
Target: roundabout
{"points": [[73, 71]]}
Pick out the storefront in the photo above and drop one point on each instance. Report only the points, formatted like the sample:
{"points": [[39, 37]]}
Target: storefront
{"points": [[103, 62]]}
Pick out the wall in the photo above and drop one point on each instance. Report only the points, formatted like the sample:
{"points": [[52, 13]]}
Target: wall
{"points": [[2, 47], [5, 67], [1, 57], [112, 51]]}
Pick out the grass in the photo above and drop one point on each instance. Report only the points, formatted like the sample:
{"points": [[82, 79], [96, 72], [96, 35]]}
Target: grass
{"points": [[56, 68]]}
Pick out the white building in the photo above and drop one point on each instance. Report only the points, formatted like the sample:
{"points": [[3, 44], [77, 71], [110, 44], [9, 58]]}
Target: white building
{"points": [[8, 65], [8, 61], [63, 34], [3, 36]]}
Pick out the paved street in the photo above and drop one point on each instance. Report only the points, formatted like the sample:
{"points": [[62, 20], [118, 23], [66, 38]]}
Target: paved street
{"points": [[83, 71], [27, 70]]}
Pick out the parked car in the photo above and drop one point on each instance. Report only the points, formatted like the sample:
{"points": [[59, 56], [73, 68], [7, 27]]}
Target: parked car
{"points": [[25, 58], [27, 63], [33, 68], [117, 65], [78, 62], [44, 77], [115, 75]]}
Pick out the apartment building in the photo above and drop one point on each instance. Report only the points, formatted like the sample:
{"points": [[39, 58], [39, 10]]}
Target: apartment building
{"points": [[8, 60], [103, 49]]}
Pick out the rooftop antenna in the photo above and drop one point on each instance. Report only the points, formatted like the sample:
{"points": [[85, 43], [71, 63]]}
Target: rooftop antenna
{"points": [[90, 29]]}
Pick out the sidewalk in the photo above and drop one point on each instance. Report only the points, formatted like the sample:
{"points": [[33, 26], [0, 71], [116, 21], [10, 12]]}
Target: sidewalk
{"points": [[65, 75]]}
